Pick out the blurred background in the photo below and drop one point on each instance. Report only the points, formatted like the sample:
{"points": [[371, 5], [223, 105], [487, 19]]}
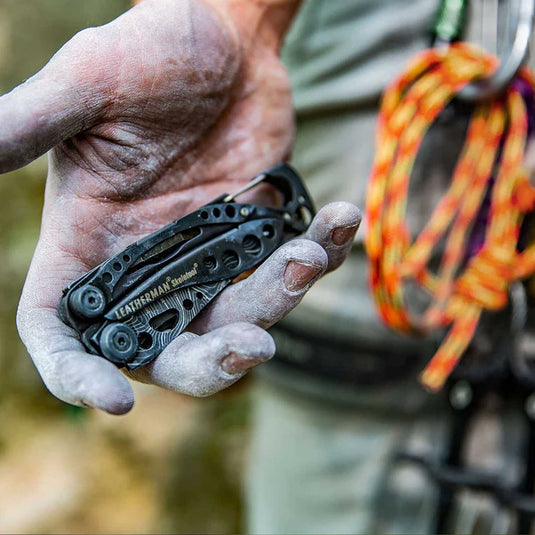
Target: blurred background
{"points": [[174, 464]]}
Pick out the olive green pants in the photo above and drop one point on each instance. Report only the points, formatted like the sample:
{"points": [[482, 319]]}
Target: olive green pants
{"points": [[324, 467], [318, 466]]}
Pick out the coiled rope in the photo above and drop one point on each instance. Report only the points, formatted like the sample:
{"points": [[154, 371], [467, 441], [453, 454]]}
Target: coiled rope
{"points": [[491, 160]]}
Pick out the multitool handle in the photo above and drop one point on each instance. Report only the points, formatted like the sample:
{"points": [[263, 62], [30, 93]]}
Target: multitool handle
{"points": [[130, 307]]}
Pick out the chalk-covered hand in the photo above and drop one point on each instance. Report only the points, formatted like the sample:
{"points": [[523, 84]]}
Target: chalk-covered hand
{"points": [[147, 118]]}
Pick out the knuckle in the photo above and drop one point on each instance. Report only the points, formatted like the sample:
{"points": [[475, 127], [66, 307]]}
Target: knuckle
{"points": [[85, 37], [306, 250]]}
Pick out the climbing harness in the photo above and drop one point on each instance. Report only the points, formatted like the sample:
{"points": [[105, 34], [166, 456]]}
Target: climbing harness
{"points": [[470, 278], [130, 307], [483, 228]]}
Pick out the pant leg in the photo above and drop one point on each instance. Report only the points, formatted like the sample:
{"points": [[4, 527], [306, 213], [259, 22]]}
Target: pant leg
{"points": [[318, 467]]}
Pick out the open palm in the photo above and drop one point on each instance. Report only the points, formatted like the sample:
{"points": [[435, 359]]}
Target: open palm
{"points": [[149, 117]]}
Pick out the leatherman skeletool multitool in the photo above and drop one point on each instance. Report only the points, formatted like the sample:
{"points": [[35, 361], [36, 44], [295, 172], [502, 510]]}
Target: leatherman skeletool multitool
{"points": [[130, 307]]}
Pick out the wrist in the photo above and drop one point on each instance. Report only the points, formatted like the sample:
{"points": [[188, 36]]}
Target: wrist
{"points": [[263, 22]]}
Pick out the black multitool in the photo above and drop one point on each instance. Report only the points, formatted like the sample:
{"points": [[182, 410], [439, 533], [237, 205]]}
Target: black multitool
{"points": [[130, 307]]}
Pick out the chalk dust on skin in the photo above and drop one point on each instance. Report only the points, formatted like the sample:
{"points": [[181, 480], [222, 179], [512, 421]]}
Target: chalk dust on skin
{"points": [[70, 470]]}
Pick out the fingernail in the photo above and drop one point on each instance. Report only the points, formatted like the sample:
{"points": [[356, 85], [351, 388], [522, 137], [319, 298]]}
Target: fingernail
{"points": [[342, 235], [298, 275], [233, 364]]}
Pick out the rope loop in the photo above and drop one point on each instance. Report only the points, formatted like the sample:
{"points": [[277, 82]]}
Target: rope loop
{"points": [[524, 194], [489, 188], [486, 279]]}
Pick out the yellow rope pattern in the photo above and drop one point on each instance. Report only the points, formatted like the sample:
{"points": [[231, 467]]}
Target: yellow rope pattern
{"points": [[409, 107]]}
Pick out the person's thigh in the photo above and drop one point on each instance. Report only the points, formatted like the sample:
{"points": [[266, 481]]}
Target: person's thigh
{"points": [[326, 468]]}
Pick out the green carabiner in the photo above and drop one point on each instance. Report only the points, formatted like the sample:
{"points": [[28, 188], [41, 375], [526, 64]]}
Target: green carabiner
{"points": [[450, 22]]}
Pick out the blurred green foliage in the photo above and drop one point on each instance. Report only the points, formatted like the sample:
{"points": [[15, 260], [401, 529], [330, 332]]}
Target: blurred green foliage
{"points": [[30, 33], [209, 464]]}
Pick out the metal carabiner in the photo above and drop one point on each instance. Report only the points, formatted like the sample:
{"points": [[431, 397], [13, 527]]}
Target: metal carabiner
{"points": [[491, 86]]}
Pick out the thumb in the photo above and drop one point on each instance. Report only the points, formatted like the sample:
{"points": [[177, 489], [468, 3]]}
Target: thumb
{"points": [[61, 100]]}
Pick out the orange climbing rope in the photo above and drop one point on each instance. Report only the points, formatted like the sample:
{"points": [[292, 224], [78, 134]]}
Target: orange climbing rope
{"points": [[459, 291]]}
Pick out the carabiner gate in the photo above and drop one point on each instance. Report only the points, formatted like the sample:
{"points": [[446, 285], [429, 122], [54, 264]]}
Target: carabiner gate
{"points": [[449, 27], [492, 86]]}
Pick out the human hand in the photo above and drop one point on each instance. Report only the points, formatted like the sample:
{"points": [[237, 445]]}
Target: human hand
{"points": [[148, 118]]}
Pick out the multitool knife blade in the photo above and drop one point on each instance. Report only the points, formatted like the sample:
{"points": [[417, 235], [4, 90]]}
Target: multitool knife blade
{"points": [[130, 307]]}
